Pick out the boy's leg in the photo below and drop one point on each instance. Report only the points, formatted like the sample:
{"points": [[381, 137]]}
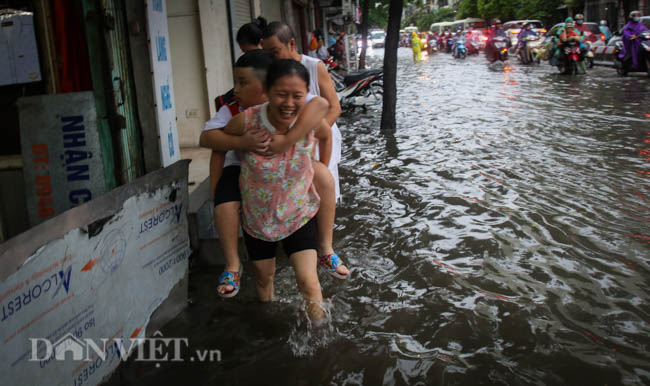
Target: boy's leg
{"points": [[226, 221], [227, 200], [324, 184], [217, 159]]}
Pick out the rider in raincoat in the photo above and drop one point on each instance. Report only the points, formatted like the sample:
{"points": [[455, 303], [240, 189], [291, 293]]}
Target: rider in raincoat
{"points": [[416, 45], [631, 42]]}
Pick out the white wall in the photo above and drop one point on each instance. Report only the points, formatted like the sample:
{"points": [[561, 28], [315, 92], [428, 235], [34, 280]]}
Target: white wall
{"points": [[216, 49], [190, 92]]}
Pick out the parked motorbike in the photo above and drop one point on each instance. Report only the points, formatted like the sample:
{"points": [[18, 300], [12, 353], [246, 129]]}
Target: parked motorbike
{"points": [[499, 49], [572, 59], [359, 89], [460, 49], [623, 67], [528, 52]]}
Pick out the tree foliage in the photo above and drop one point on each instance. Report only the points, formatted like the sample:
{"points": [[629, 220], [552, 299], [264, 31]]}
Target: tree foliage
{"points": [[467, 8], [490, 9], [544, 10], [378, 15], [548, 11], [423, 18]]}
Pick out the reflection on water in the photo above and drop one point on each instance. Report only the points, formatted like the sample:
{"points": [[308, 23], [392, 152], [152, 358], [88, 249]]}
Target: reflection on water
{"points": [[500, 235]]}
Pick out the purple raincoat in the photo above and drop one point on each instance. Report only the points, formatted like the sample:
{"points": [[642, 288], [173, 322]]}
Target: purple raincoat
{"points": [[630, 45]]}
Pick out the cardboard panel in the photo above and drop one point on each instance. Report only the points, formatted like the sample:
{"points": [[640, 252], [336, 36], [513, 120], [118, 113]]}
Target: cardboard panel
{"points": [[93, 274]]}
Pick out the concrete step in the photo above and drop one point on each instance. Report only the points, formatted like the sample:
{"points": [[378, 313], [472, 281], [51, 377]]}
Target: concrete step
{"points": [[204, 240]]}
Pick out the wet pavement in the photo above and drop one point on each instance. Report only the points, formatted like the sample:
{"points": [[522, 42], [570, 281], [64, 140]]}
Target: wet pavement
{"points": [[500, 236]]}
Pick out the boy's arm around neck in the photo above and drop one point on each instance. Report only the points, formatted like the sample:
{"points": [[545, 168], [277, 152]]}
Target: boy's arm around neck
{"points": [[233, 137], [309, 118]]}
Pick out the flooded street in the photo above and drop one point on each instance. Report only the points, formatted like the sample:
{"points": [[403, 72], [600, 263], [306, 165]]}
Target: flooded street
{"points": [[500, 236]]}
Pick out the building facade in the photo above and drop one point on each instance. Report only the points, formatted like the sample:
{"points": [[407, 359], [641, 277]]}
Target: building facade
{"points": [[616, 12]]}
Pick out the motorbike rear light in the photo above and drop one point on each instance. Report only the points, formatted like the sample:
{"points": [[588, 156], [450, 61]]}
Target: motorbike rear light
{"points": [[602, 37], [515, 31], [542, 31], [503, 51]]}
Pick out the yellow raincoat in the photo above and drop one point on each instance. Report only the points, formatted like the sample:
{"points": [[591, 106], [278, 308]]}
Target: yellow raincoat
{"points": [[416, 45]]}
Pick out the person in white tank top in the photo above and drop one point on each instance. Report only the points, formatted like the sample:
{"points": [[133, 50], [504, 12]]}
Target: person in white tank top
{"points": [[279, 40]]}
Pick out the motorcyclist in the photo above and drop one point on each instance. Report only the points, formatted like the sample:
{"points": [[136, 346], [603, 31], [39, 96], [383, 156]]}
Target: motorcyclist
{"points": [[631, 42], [567, 34], [495, 31], [604, 29], [459, 35], [449, 38], [525, 32], [584, 30], [472, 40], [562, 36]]}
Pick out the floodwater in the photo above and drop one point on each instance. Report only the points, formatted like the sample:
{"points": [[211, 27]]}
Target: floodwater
{"points": [[500, 236]]}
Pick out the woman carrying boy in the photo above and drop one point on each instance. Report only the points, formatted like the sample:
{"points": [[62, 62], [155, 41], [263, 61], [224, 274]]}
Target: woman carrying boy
{"points": [[279, 200]]}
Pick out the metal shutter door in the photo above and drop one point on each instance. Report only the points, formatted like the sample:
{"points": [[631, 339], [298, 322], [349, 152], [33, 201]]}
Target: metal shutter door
{"points": [[241, 14]]}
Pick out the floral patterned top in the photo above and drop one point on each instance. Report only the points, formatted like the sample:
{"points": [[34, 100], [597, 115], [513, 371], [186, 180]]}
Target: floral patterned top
{"points": [[278, 196]]}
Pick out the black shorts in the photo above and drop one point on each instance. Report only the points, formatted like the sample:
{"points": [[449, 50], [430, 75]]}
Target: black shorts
{"points": [[227, 189], [304, 238]]}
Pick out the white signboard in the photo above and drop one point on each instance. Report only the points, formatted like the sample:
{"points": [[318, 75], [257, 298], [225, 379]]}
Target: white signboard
{"points": [[98, 283], [162, 81], [61, 153]]}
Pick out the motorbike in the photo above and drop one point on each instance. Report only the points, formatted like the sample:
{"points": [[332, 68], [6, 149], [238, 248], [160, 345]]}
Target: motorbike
{"points": [[474, 46], [589, 56], [529, 50], [359, 89], [460, 49], [449, 43], [433, 46], [499, 50], [572, 59], [623, 67]]}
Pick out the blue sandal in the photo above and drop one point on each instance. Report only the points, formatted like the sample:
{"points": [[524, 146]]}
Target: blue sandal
{"points": [[229, 278], [330, 263]]}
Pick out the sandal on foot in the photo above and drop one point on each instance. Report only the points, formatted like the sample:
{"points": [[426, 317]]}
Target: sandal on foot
{"points": [[229, 278], [330, 263]]}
